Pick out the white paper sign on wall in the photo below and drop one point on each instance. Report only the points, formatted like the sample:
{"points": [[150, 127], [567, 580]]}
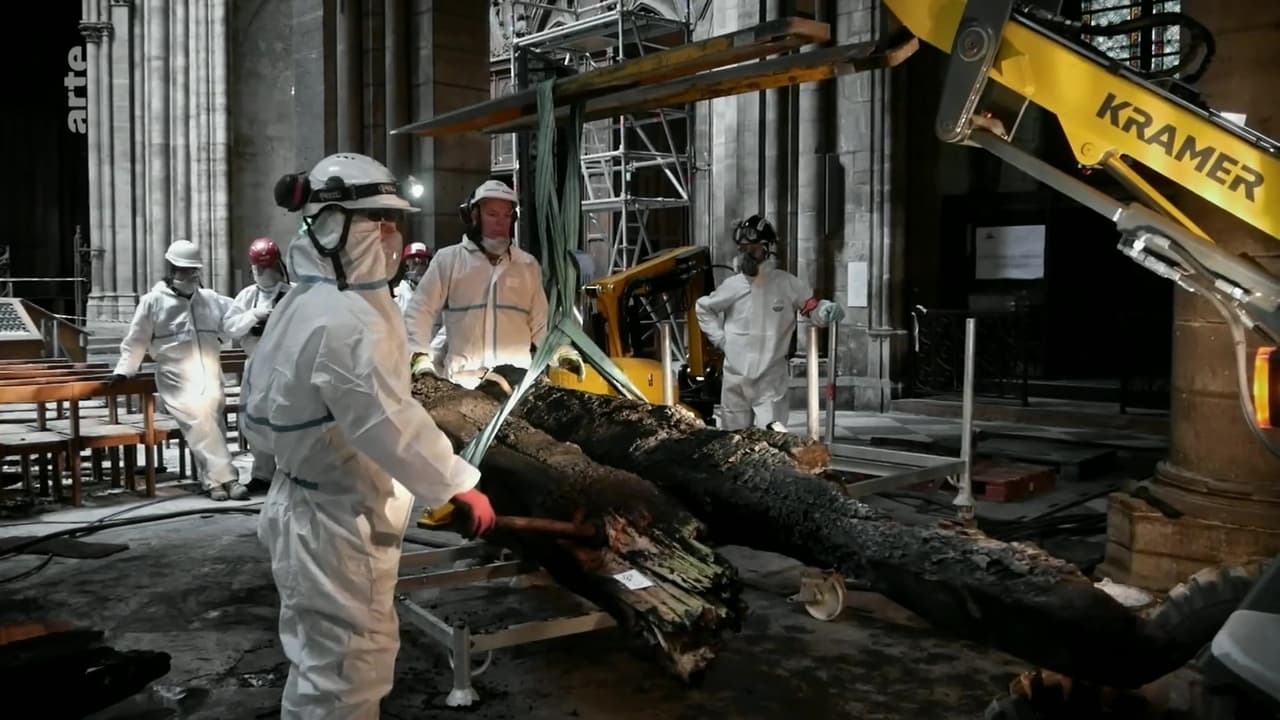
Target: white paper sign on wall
{"points": [[1011, 252], [857, 284]]}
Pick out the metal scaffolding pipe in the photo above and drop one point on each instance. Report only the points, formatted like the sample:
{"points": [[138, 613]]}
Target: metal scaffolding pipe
{"points": [[811, 384], [964, 498], [833, 335], [664, 345]]}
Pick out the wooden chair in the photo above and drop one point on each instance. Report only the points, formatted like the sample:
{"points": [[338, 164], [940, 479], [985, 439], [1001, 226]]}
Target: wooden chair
{"points": [[77, 433]]}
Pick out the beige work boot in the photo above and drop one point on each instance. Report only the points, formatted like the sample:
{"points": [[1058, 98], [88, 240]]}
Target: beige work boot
{"points": [[218, 492], [238, 491]]}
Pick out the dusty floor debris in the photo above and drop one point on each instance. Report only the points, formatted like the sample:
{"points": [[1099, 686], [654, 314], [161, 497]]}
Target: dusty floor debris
{"points": [[200, 589]]}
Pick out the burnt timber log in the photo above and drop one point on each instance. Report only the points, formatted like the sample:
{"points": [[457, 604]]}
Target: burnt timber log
{"points": [[1010, 596], [695, 595]]}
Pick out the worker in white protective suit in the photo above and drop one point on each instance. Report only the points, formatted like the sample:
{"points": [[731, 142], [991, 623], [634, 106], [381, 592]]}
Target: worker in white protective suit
{"points": [[417, 257], [180, 324], [490, 291], [751, 317], [328, 393], [246, 320]]}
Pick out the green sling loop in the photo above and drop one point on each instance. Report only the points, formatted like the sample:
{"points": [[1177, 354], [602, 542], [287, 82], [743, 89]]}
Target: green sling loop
{"points": [[560, 220]]}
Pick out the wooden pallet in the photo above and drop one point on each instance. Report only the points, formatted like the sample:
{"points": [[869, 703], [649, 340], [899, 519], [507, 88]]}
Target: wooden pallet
{"points": [[1004, 481]]}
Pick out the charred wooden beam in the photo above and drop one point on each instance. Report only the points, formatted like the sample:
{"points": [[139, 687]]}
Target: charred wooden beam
{"points": [[73, 673], [804, 67], [812, 456], [750, 43], [1010, 596], [695, 593]]}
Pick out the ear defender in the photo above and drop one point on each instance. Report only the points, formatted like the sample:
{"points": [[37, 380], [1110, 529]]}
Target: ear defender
{"points": [[292, 190]]}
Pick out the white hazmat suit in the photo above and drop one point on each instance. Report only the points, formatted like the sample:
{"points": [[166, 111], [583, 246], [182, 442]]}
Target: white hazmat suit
{"points": [[250, 307], [493, 314], [328, 393], [184, 337], [752, 319]]}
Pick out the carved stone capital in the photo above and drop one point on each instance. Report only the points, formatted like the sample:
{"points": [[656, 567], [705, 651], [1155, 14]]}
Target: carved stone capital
{"points": [[94, 31], [122, 3]]}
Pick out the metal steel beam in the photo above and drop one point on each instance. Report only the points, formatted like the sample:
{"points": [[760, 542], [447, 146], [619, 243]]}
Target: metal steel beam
{"points": [[803, 67], [748, 44]]}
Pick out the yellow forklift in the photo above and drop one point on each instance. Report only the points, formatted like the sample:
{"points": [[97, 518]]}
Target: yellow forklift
{"points": [[628, 311]]}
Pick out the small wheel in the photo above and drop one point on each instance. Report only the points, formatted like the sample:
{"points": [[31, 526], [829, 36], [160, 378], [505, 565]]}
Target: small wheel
{"points": [[830, 599], [488, 660]]}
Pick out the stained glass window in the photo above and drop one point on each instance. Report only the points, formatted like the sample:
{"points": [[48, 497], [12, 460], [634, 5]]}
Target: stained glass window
{"points": [[1147, 49]]}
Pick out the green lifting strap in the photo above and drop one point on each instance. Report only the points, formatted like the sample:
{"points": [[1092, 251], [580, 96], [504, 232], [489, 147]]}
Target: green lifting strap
{"points": [[561, 219]]}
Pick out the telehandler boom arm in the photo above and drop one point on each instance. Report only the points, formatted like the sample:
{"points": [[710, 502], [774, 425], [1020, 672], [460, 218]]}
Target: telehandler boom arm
{"points": [[1111, 115]]}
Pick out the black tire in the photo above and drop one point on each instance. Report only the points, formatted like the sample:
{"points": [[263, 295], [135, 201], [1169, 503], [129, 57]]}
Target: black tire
{"points": [[1196, 610]]}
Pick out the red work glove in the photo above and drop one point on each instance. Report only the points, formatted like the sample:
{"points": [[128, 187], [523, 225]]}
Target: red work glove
{"points": [[476, 514]]}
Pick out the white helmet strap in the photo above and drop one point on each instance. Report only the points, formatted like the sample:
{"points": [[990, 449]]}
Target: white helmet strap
{"points": [[333, 253]]}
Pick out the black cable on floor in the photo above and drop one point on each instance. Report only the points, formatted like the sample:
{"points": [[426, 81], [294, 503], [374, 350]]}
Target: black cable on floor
{"points": [[90, 529]]}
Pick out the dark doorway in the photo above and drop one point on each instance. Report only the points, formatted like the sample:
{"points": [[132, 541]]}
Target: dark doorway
{"points": [[44, 135], [1062, 314]]}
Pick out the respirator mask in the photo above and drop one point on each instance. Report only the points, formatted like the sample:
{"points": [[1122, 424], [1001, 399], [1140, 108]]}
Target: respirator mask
{"points": [[185, 281]]}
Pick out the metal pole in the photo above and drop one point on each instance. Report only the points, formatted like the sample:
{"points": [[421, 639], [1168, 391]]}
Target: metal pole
{"points": [[668, 382], [811, 383], [833, 335], [964, 498]]}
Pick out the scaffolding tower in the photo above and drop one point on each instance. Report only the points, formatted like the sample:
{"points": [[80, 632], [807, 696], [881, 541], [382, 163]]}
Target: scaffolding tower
{"points": [[633, 166]]}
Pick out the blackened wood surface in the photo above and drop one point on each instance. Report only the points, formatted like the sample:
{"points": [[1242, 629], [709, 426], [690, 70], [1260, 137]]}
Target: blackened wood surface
{"points": [[695, 594], [1010, 596]]}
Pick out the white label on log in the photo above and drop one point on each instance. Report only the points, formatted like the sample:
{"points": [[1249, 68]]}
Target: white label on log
{"points": [[633, 580]]}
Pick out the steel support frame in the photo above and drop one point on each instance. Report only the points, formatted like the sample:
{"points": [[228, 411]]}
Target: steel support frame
{"points": [[456, 637], [893, 469]]}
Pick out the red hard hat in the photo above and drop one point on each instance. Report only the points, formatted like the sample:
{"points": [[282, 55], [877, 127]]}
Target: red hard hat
{"points": [[417, 249], [263, 252]]}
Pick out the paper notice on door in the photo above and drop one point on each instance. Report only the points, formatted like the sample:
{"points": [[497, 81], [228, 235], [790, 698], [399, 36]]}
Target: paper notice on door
{"points": [[1012, 252]]}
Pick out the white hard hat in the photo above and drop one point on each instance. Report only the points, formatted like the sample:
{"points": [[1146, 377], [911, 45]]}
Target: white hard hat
{"points": [[184, 254], [354, 181], [496, 190]]}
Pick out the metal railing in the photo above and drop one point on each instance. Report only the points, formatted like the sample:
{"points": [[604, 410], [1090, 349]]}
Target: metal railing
{"points": [[1003, 363]]}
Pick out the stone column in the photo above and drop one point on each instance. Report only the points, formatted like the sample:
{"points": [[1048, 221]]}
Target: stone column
{"points": [[119, 275], [263, 140], [350, 77], [158, 191], [197, 129], [1217, 473], [870, 338], [140, 262], [92, 37], [97, 96], [396, 75], [452, 71], [219, 191], [723, 188]]}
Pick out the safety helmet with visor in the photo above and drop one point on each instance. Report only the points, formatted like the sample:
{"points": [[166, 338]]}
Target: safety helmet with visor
{"points": [[417, 256], [265, 262], [359, 187]]}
